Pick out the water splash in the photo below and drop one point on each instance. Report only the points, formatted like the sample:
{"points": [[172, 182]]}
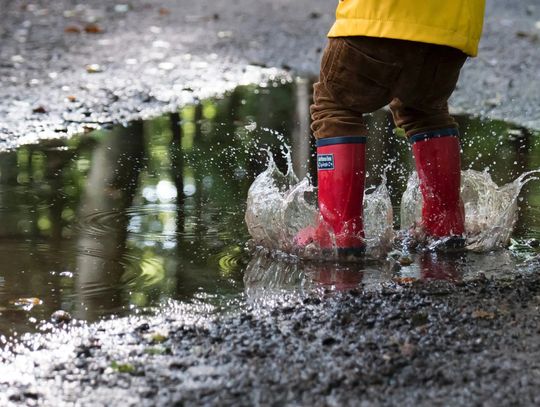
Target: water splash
{"points": [[279, 207], [490, 211]]}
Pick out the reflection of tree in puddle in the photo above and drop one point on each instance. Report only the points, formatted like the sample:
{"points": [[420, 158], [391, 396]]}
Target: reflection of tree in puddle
{"points": [[34, 210], [110, 188], [112, 220], [152, 244]]}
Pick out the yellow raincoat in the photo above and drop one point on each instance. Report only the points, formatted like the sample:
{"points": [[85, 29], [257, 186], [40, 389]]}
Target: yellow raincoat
{"points": [[456, 23]]}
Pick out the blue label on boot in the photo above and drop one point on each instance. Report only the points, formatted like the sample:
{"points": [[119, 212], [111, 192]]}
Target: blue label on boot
{"points": [[325, 161]]}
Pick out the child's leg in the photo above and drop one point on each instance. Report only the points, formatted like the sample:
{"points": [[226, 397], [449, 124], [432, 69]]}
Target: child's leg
{"points": [[351, 83], [358, 75], [435, 141]]}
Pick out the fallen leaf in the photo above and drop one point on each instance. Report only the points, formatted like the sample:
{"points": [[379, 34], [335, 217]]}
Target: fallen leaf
{"points": [[404, 280], [156, 350], [159, 337], [87, 128], [164, 11], [481, 314], [93, 28], [122, 367], [72, 29], [27, 301]]}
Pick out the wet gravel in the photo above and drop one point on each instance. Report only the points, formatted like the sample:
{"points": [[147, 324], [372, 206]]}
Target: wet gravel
{"points": [[68, 66], [436, 343]]}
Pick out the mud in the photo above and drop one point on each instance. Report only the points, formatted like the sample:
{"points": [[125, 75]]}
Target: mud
{"points": [[67, 67]]}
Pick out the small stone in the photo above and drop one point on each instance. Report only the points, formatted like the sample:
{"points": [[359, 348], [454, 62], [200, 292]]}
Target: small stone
{"points": [[94, 68], [15, 397], [405, 260], [121, 8], [408, 350], [515, 133], [328, 341], [60, 317], [83, 351], [533, 242], [311, 300], [287, 310], [494, 101], [166, 66], [419, 319], [144, 327], [39, 109], [395, 254], [30, 394]]}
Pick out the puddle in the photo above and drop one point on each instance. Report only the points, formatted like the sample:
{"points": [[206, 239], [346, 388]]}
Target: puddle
{"points": [[120, 221]]}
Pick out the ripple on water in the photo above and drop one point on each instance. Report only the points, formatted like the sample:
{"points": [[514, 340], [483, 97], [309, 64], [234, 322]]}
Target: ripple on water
{"points": [[157, 223]]}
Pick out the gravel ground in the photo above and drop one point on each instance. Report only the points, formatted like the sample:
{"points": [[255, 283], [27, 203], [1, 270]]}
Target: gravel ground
{"points": [[475, 343], [429, 344], [67, 65]]}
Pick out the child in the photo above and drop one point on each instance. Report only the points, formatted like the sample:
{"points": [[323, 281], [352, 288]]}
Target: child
{"points": [[406, 53]]}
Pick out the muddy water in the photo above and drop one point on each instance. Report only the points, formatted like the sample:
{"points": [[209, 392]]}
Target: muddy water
{"points": [[123, 220]]}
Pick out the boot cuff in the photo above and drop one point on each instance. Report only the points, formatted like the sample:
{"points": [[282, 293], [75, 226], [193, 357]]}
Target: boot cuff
{"points": [[341, 140], [426, 135]]}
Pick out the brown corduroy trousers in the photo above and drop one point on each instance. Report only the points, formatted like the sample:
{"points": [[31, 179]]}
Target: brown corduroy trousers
{"points": [[362, 74]]}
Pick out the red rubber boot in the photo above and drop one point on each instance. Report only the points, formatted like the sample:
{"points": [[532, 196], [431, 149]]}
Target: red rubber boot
{"points": [[437, 157], [341, 179]]}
